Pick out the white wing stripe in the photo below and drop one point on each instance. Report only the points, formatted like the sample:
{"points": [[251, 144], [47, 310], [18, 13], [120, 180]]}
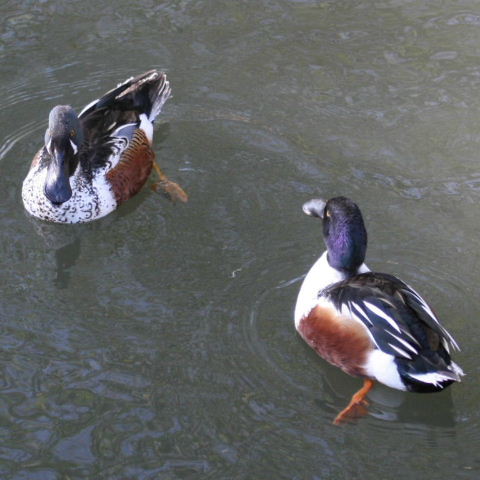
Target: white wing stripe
{"points": [[384, 300], [116, 133], [360, 311], [410, 336], [423, 304], [403, 353], [435, 378], [383, 315], [84, 109], [74, 147], [428, 310], [49, 147], [404, 343]]}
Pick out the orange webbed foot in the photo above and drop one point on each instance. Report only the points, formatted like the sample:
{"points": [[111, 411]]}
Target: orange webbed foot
{"points": [[358, 404], [172, 190]]}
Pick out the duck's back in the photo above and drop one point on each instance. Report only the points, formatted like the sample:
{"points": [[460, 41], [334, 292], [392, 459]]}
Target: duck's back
{"points": [[401, 324], [122, 120]]}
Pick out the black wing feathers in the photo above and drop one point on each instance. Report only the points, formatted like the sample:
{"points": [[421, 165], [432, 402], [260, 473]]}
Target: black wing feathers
{"points": [[137, 93], [120, 106], [398, 319]]}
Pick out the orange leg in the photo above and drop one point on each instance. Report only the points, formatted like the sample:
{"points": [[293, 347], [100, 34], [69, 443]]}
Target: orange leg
{"points": [[357, 406], [173, 190]]}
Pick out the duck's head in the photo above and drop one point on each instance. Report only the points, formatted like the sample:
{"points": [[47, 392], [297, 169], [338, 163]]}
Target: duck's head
{"points": [[63, 139], [343, 231]]}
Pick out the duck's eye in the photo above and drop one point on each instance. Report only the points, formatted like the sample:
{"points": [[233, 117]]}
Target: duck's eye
{"points": [[73, 132], [327, 213]]}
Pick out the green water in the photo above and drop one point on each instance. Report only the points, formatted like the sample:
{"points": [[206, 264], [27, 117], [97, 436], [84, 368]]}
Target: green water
{"points": [[158, 343]]}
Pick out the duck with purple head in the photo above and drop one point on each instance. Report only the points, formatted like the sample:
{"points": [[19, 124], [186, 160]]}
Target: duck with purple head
{"points": [[92, 162], [371, 325]]}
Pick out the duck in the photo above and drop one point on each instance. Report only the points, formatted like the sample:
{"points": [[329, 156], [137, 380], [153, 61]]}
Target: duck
{"points": [[371, 325], [92, 162]]}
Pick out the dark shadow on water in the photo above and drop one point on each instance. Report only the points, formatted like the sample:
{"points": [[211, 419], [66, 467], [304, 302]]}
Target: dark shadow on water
{"points": [[65, 243], [65, 258]]}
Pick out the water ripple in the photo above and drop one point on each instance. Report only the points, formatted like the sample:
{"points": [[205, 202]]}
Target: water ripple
{"points": [[23, 132]]}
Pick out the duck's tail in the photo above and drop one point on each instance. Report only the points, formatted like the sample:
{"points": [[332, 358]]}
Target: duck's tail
{"points": [[433, 380], [145, 93], [439, 377], [159, 94]]}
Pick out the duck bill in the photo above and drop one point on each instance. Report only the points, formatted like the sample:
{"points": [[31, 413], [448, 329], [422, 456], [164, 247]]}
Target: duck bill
{"points": [[314, 207], [57, 185]]}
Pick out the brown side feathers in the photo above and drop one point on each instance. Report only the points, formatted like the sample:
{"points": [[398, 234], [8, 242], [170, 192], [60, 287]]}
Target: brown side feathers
{"points": [[133, 169], [339, 340]]}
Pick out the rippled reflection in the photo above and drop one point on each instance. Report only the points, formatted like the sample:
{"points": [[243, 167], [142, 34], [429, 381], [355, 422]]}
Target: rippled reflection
{"points": [[159, 342]]}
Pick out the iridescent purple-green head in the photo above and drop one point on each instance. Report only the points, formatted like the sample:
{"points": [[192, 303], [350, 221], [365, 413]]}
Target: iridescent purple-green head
{"points": [[63, 139], [343, 231]]}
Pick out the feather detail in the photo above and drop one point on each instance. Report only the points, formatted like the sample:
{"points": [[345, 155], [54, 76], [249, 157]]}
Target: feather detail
{"points": [[133, 169], [338, 339], [436, 378], [401, 325], [382, 302]]}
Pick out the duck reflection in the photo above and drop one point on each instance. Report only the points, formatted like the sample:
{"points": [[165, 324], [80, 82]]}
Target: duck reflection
{"points": [[64, 243]]}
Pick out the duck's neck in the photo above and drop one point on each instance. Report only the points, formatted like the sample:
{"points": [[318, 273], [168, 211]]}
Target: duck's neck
{"points": [[339, 267], [320, 276], [346, 253]]}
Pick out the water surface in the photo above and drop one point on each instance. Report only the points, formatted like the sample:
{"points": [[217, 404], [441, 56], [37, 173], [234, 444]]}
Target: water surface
{"points": [[158, 342]]}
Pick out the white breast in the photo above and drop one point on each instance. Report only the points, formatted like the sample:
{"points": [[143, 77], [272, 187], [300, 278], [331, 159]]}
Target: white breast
{"points": [[89, 200], [320, 276]]}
